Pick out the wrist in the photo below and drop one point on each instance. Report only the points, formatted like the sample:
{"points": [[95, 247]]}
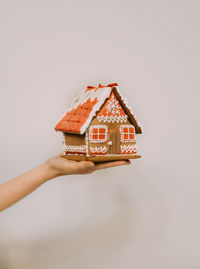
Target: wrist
{"points": [[49, 171], [52, 171]]}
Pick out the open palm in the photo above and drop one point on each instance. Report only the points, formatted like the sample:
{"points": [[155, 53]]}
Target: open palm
{"points": [[62, 166]]}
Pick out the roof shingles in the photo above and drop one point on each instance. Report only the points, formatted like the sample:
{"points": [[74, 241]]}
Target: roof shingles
{"points": [[87, 104], [75, 118]]}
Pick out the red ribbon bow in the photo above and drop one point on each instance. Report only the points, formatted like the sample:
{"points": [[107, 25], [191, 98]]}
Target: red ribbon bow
{"points": [[100, 86]]}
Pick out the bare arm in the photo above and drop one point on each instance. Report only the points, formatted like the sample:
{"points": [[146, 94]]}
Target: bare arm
{"points": [[16, 189]]}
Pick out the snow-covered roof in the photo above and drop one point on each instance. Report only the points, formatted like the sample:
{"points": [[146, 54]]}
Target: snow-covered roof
{"points": [[86, 105]]}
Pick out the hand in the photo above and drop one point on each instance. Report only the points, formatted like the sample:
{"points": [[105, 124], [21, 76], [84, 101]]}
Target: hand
{"points": [[19, 187], [60, 166]]}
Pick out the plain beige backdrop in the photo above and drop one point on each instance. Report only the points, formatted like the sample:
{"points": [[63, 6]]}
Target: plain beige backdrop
{"points": [[143, 216]]}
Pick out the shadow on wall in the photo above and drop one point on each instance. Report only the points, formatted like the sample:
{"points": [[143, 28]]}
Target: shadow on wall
{"points": [[4, 258], [97, 239]]}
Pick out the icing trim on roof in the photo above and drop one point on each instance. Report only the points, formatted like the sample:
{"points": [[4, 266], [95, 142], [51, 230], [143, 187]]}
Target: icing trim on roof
{"points": [[101, 94]]}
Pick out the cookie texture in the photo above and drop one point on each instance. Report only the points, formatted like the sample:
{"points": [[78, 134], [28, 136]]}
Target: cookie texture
{"points": [[100, 126]]}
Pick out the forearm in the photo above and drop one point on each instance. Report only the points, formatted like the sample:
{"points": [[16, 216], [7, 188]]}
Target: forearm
{"points": [[16, 189]]}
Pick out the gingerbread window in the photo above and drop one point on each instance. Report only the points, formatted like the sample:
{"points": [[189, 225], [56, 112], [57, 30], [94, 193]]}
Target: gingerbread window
{"points": [[127, 133], [98, 133]]}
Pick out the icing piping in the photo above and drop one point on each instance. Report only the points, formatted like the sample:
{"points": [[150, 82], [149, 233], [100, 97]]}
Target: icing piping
{"points": [[77, 149], [98, 139], [86, 142], [100, 150], [113, 106], [101, 94], [129, 107], [112, 118], [127, 133], [128, 149]]}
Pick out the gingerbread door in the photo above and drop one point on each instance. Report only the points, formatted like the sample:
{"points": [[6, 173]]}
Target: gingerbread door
{"points": [[114, 142]]}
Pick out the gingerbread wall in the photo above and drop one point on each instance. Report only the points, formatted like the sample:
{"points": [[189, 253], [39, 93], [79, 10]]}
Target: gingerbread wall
{"points": [[112, 117], [74, 143]]}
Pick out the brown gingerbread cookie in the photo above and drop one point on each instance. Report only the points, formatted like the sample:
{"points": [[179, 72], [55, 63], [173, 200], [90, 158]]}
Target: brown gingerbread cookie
{"points": [[100, 126]]}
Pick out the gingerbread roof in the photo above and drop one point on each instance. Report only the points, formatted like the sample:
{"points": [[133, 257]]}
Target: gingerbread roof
{"points": [[86, 105]]}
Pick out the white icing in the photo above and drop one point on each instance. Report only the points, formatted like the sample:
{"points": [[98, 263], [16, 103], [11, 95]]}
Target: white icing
{"points": [[86, 142], [112, 118], [98, 140], [72, 148], [122, 133], [128, 149], [113, 106], [98, 149], [130, 108], [101, 94]]}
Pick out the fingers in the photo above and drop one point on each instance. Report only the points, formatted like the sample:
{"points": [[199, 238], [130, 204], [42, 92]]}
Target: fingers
{"points": [[111, 164], [85, 167]]}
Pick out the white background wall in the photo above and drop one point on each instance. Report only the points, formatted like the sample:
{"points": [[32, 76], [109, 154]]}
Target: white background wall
{"points": [[142, 216]]}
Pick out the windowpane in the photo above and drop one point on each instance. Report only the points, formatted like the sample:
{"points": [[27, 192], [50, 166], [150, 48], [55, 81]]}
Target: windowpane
{"points": [[127, 133], [95, 136], [98, 133], [102, 130], [94, 130], [102, 136], [131, 130], [125, 136]]}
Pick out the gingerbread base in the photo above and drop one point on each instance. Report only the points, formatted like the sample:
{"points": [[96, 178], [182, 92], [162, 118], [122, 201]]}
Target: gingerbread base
{"points": [[106, 158]]}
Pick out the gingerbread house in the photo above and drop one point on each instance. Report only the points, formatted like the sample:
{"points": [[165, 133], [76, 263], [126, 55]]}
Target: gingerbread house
{"points": [[100, 126]]}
